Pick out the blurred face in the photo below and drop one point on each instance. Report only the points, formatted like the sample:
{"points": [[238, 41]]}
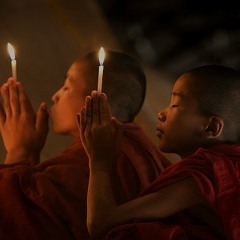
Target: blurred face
{"points": [[68, 100], [181, 125]]}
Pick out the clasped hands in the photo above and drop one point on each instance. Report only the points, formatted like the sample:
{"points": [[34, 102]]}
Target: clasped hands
{"points": [[23, 131], [100, 133]]}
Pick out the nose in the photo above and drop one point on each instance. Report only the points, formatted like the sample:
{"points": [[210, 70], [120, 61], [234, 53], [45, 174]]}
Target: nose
{"points": [[55, 97], [162, 116]]}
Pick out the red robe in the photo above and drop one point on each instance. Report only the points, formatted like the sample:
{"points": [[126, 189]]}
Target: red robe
{"points": [[49, 201], [216, 171]]}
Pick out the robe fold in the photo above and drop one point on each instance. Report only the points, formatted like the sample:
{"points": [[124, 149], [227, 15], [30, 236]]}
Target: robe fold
{"points": [[48, 201], [216, 171]]}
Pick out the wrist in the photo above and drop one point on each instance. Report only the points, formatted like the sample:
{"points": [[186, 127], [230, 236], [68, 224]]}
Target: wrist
{"points": [[17, 155], [98, 164], [34, 159]]}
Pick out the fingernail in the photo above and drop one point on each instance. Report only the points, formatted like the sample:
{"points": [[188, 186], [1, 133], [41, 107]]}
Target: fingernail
{"points": [[43, 107]]}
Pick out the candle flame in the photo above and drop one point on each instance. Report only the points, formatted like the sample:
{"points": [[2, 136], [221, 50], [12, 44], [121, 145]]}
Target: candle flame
{"points": [[11, 51], [101, 56]]}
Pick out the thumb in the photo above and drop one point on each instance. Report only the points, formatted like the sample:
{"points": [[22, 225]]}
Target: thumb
{"points": [[2, 115], [116, 123], [118, 130], [42, 120], [78, 121], [81, 122]]}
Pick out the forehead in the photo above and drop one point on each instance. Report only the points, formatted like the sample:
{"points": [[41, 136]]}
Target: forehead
{"points": [[82, 75], [77, 68], [76, 73], [186, 87]]}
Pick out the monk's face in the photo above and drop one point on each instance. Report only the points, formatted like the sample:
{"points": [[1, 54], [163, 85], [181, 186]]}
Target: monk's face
{"points": [[181, 124], [68, 100]]}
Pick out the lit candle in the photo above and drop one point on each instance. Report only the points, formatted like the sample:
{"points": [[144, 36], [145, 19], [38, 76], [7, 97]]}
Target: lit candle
{"points": [[100, 69], [13, 60]]}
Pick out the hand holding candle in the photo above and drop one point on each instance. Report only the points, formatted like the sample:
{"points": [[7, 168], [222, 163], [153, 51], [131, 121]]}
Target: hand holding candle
{"points": [[13, 60], [100, 69]]}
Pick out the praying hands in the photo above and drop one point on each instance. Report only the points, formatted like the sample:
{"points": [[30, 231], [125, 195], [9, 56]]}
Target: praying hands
{"points": [[100, 133], [23, 131]]}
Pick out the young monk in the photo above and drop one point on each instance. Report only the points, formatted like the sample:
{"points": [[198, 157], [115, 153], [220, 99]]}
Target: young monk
{"points": [[196, 198], [48, 200]]}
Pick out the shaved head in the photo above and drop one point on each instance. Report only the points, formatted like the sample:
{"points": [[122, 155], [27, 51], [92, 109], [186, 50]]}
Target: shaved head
{"points": [[124, 82], [217, 89]]}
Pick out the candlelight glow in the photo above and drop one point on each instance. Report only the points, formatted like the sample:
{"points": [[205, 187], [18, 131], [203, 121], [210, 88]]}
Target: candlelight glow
{"points": [[100, 69], [13, 60], [101, 56], [11, 51]]}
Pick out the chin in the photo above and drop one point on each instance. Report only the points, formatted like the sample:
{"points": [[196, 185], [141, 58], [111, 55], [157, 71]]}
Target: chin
{"points": [[58, 130], [166, 149]]}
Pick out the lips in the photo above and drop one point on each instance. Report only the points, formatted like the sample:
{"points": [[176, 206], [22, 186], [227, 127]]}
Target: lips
{"points": [[159, 132]]}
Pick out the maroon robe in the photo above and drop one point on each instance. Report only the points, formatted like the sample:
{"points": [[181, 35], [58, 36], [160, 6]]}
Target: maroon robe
{"points": [[49, 201], [216, 171]]}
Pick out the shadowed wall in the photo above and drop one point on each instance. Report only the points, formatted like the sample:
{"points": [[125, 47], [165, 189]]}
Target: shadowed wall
{"points": [[47, 36]]}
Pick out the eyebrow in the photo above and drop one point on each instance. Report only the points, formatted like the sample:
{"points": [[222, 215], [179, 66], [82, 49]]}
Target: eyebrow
{"points": [[176, 94], [66, 80]]}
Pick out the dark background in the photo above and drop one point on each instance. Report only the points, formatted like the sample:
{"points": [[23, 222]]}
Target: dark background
{"points": [[179, 34], [167, 37]]}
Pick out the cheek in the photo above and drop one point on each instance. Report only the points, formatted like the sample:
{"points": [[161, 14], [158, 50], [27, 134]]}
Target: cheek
{"points": [[71, 103], [64, 124], [63, 108], [177, 128], [63, 117], [186, 130]]}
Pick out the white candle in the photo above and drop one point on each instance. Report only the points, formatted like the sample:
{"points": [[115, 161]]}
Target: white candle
{"points": [[13, 60], [100, 69]]}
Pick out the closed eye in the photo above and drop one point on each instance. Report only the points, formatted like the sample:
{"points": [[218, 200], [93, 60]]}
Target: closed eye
{"points": [[174, 105]]}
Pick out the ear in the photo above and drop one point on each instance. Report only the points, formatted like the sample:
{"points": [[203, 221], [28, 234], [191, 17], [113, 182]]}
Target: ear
{"points": [[214, 127]]}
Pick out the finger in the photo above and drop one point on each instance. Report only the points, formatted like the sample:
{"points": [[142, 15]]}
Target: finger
{"points": [[6, 100], [81, 120], [104, 108], [25, 103], [2, 115], [116, 123], [95, 108], [88, 111], [78, 118], [13, 96]]}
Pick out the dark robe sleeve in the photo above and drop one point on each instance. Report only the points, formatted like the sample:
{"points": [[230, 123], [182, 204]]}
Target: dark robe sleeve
{"points": [[47, 201], [217, 176]]}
